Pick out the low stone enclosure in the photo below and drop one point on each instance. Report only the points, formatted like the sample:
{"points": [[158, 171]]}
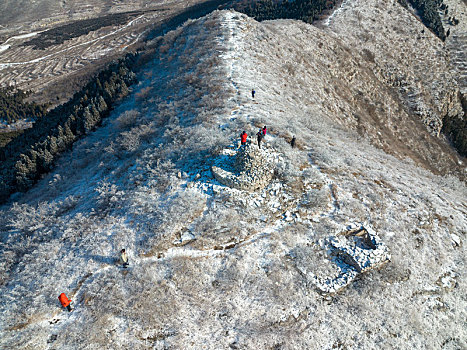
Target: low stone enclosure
{"points": [[357, 250], [246, 168]]}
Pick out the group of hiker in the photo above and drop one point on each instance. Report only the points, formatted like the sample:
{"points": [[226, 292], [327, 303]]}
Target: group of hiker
{"points": [[66, 303], [123, 258], [261, 134]]}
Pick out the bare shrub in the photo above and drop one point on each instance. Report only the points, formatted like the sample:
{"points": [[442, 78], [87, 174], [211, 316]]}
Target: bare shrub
{"points": [[290, 68], [315, 199], [201, 141], [211, 24], [109, 194], [216, 228], [181, 41], [25, 228], [131, 140], [164, 48], [173, 216], [127, 119], [192, 78], [164, 174], [6, 263], [143, 94], [370, 56]]}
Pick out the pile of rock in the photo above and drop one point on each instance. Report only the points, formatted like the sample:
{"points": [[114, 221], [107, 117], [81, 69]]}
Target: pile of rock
{"points": [[355, 251], [360, 248], [249, 168]]}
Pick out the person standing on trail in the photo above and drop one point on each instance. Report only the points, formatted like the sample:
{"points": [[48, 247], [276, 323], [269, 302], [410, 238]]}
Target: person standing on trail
{"points": [[259, 137], [292, 142], [243, 138], [265, 130], [253, 92], [124, 258], [65, 301]]}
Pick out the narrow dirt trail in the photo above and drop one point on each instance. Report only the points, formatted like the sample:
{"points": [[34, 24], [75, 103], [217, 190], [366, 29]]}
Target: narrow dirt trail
{"points": [[339, 9]]}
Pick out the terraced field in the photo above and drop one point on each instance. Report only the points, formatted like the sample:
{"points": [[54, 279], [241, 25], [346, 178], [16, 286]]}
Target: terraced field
{"points": [[54, 68], [39, 70]]}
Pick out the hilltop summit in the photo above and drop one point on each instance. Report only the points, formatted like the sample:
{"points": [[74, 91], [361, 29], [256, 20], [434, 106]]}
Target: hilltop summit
{"points": [[357, 240]]}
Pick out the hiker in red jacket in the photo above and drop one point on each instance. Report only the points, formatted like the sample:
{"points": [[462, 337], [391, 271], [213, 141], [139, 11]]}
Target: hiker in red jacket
{"points": [[65, 301], [243, 137], [264, 131]]}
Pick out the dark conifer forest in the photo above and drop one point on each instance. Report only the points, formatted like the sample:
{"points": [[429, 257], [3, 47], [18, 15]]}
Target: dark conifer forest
{"points": [[32, 153], [428, 10], [305, 10], [13, 106]]}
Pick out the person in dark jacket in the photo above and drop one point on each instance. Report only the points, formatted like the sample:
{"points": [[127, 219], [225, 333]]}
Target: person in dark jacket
{"points": [[292, 142], [259, 137], [124, 258], [243, 138], [253, 92], [65, 301]]}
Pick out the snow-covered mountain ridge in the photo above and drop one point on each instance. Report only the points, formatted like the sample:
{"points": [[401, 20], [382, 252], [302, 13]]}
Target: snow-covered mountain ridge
{"points": [[218, 268]]}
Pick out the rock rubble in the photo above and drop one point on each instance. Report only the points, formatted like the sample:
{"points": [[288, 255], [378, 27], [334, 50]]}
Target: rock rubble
{"points": [[357, 250], [248, 168]]}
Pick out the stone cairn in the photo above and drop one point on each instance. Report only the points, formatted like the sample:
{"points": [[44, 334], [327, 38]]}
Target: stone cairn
{"points": [[248, 168]]}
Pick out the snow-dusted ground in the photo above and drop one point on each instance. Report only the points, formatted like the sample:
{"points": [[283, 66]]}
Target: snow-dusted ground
{"points": [[22, 36], [217, 268], [336, 12], [456, 42], [4, 47]]}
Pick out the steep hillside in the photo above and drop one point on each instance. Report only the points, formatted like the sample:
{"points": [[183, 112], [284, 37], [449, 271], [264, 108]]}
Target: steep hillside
{"points": [[455, 20], [213, 267], [401, 52]]}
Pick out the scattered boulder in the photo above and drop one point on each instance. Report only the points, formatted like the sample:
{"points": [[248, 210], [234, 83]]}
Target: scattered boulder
{"points": [[185, 238], [455, 239], [361, 249]]}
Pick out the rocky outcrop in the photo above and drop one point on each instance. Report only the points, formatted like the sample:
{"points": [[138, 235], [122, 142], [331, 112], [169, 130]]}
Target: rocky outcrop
{"points": [[247, 168], [455, 128]]}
